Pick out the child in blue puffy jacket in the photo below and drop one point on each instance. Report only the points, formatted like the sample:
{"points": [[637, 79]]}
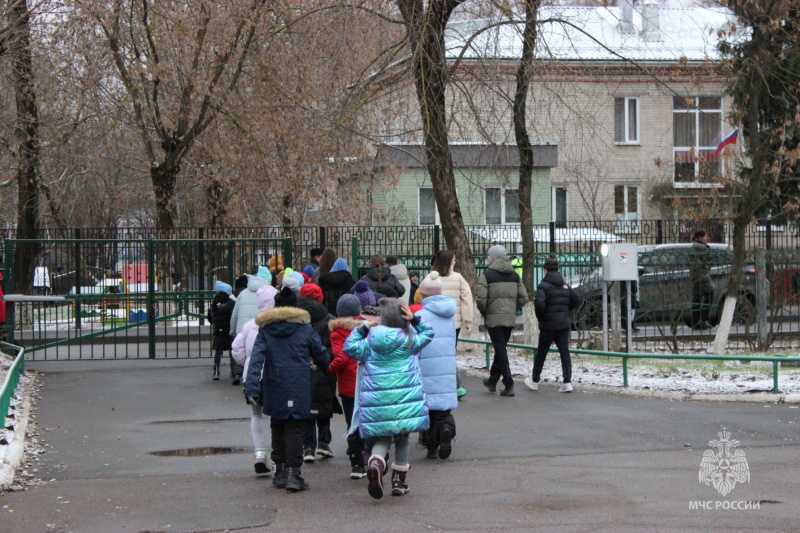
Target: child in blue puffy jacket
{"points": [[390, 399]]}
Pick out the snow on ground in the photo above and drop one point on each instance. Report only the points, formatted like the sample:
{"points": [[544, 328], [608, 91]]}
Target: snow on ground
{"points": [[690, 376]]}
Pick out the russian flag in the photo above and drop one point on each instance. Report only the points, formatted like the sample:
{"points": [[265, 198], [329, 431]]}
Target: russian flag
{"points": [[730, 139]]}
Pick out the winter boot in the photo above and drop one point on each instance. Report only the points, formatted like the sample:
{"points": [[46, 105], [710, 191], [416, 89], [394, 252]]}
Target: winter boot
{"points": [[375, 470], [308, 455], [260, 463], [216, 373], [399, 484], [445, 446], [433, 452], [295, 482], [324, 450], [281, 476], [357, 470], [490, 384], [508, 391]]}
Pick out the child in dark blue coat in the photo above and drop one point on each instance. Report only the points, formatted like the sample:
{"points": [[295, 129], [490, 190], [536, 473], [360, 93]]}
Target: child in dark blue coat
{"points": [[279, 374]]}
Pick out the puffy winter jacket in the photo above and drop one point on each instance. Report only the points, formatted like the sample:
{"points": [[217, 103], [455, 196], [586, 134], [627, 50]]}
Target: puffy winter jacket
{"points": [[334, 285], [345, 368], [390, 395], [400, 272], [284, 346], [219, 315], [246, 304], [387, 280], [319, 318], [500, 294], [456, 287], [553, 301], [437, 361]]}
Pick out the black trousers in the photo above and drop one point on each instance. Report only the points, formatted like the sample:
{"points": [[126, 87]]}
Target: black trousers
{"points": [[316, 426], [438, 421], [500, 335], [701, 306], [355, 444], [287, 441], [546, 338]]}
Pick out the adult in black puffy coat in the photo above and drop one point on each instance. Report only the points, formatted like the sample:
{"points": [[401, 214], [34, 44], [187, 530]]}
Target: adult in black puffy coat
{"points": [[379, 277], [280, 374], [219, 316], [553, 302]]}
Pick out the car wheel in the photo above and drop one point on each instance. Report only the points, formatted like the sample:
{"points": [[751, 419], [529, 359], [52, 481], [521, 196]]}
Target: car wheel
{"points": [[745, 312], [589, 314]]}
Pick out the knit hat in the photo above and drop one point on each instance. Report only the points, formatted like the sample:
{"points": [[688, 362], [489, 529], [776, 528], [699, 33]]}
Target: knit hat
{"points": [[340, 264], [306, 278], [310, 290], [220, 286], [348, 305], [263, 273], [265, 297], [308, 270], [497, 251], [241, 282], [287, 271], [299, 277], [291, 283], [364, 294], [286, 298], [431, 285]]}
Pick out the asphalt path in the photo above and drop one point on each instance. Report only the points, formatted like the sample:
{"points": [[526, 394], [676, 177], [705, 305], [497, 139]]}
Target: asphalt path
{"points": [[538, 461]]}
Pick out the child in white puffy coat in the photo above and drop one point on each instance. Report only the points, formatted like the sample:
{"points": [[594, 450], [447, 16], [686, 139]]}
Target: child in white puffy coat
{"points": [[241, 350]]}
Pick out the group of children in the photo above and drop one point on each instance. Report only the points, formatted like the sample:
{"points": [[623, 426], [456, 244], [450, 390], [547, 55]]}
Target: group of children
{"points": [[395, 371]]}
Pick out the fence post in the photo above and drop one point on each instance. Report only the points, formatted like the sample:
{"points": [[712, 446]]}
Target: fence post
{"points": [[77, 236], [762, 287], [8, 286], [322, 237], [231, 251], [151, 299], [201, 267], [552, 237], [436, 237], [287, 252], [354, 252], [768, 243], [659, 232]]}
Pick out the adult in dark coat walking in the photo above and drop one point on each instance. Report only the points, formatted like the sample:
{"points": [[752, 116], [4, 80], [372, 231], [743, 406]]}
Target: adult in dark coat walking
{"points": [[280, 375], [702, 288], [553, 301], [219, 316]]}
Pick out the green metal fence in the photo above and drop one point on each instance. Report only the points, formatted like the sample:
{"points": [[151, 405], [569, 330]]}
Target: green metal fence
{"points": [[775, 360], [150, 303], [12, 376]]}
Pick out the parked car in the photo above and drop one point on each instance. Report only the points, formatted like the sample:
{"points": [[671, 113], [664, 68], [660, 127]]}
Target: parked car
{"points": [[664, 289]]}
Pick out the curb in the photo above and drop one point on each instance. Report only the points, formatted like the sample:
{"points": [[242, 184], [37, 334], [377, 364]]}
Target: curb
{"points": [[15, 450]]}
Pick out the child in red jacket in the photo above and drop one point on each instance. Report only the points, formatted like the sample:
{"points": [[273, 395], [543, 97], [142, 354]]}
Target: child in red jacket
{"points": [[348, 309]]}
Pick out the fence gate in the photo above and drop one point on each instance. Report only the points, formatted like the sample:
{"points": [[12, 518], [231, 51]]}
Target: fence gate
{"points": [[76, 299]]}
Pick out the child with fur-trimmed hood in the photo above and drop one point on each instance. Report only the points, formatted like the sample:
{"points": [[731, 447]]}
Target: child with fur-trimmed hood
{"points": [[279, 374]]}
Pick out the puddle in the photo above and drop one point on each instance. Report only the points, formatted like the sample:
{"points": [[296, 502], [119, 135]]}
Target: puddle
{"points": [[197, 452]]}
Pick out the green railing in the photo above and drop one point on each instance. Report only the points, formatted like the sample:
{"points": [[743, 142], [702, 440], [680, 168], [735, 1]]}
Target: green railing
{"points": [[775, 360], [12, 377]]}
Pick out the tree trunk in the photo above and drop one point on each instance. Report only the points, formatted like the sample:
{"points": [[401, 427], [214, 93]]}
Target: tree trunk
{"points": [[28, 148], [425, 29], [740, 223], [165, 178]]}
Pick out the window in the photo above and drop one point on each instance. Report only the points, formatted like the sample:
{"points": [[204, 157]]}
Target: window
{"points": [[428, 213], [696, 133], [501, 206], [626, 120], [626, 208], [558, 211]]}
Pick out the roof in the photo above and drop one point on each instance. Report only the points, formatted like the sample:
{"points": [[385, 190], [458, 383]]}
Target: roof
{"points": [[595, 33]]}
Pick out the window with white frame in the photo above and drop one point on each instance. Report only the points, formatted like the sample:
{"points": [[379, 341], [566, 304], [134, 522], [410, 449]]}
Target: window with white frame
{"points": [[696, 133], [626, 208], [428, 212], [558, 211], [626, 120], [501, 206]]}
